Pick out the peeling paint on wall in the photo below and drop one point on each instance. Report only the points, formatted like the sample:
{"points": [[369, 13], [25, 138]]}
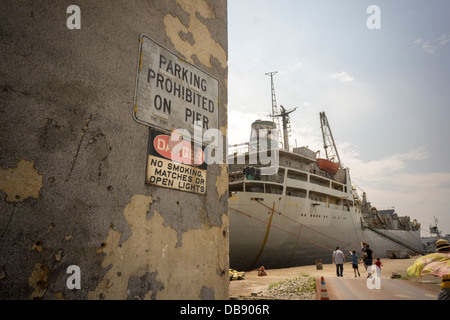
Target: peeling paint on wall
{"points": [[203, 46], [149, 257], [59, 296], [39, 280], [37, 246], [222, 180], [58, 256], [21, 182]]}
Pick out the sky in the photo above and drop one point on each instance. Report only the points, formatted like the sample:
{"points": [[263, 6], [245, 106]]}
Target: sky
{"points": [[385, 91]]}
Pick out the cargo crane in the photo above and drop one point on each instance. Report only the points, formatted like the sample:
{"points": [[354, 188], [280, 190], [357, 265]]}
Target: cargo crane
{"points": [[332, 163]]}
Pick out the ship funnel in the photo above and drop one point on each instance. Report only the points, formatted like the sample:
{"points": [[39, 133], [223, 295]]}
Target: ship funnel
{"points": [[263, 135]]}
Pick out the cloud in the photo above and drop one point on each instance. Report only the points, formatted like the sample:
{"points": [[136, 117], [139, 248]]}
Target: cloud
{"points": [[433, 45], [443, 39], [295, 66], [381, 171], [342, 77], [389, 183], [290, 69], [429, 48], [239, 125]]}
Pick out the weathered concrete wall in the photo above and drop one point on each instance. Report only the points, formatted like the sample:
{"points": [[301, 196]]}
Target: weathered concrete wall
{"points": [[73, 159]]}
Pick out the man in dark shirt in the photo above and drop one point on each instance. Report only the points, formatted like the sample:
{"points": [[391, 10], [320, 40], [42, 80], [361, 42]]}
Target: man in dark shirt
{"points": [[368, 260]]}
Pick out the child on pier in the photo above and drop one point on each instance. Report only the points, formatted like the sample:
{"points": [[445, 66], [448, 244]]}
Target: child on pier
{"points": [[355, 262]]}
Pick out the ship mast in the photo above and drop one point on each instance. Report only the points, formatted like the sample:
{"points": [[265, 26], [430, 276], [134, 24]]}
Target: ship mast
{"points": [[274, 104], [286, 125], [284, 115], [328, 140]]}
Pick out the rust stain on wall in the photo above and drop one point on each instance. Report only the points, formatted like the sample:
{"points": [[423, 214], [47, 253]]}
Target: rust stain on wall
{"points": [[204, 46], [21, 182]]}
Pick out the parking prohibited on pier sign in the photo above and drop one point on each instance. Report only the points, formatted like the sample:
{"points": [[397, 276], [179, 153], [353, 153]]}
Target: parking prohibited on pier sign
{"points": [[171, 93]]}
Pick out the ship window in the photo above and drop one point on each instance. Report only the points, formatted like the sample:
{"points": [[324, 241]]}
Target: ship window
{"points": [[254, 187], [272, 188], [320, 182], [234, 187], [297, 175], [280, 176], [296, 192], [337, 186], [316, 196], [334, 201]]}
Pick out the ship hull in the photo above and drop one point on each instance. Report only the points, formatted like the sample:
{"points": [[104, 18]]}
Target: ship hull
{"points": [[278, 231]]}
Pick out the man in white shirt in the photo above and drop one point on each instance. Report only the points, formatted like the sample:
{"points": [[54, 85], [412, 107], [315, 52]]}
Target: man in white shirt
{"points": [[339, 260]]}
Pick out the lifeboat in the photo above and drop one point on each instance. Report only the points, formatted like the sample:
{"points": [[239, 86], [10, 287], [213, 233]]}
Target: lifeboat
{"points": [[328, 165]]}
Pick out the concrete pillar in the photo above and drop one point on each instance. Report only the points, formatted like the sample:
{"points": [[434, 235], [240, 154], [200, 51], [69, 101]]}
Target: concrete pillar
{"points": [[73, 159]]}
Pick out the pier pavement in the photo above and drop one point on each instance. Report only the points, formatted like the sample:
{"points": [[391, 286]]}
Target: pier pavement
{"points": [[347, 287]]}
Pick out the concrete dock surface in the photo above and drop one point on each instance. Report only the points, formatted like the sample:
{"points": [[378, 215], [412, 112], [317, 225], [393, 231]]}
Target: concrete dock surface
{"points": [[347, 287]]}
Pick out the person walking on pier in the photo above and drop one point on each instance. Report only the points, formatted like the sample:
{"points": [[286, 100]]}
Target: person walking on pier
{"points": [[339, 259], [355, 262], [378, 265], [368, 259], [363, 255]]}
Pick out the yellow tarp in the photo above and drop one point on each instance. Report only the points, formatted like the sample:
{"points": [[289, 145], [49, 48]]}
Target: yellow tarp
{"points": [[437, 264], [236, 275]]}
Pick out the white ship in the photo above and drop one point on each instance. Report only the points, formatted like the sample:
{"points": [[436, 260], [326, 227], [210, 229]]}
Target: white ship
{"points": [[305, 207]]}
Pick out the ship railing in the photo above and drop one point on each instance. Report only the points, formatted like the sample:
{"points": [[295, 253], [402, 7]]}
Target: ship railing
{"points": [[239, 177], [395, 239], [364, 224], [238, 149], [235, 176], [330, 205]]}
